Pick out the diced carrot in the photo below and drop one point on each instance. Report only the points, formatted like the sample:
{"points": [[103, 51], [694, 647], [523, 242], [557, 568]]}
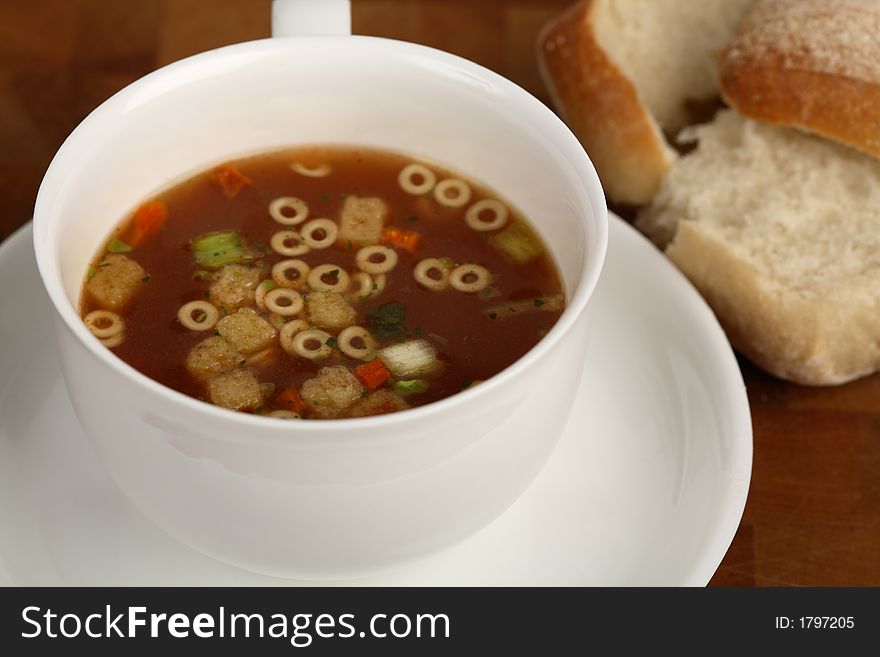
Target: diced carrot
{"points": [[230, 180], [405, 239], [148, 219], [289, 400], [372, 374]]}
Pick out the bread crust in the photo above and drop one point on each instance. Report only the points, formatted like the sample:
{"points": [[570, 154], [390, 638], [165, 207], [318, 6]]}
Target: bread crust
{"points": [[603, 108], [811, 340], [811, 64]]}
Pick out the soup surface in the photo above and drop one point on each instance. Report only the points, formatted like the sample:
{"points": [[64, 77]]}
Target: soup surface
{"points": [[322, 283]]}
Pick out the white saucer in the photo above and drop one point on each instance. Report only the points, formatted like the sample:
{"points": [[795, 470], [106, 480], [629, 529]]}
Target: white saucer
{"points": [[646, 487]]}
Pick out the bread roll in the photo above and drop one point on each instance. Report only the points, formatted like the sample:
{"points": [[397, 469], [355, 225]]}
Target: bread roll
{"points": [[812, 64], [621, 72], [780, 232]]}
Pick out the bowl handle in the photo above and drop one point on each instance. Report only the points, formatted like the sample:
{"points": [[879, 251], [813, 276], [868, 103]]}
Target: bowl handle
{"points": [[311, 18]]}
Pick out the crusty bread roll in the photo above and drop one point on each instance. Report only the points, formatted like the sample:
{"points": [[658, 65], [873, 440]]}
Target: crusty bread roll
{"points": [[623, 71], [813, 64], [780, 231]]}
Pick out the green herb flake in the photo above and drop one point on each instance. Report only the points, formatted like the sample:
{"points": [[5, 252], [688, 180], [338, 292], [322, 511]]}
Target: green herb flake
{"points": [[242, 361], [389, 321], [334, 273], [342, 197], [145, 279], [92, 272], [365, 394], [467, 338], [349, 246], [466, 384], [331, 342], [412, 218], [118, 246], [493, 316], [217, 333], [325, 197], [417, 332], [539, 303]]}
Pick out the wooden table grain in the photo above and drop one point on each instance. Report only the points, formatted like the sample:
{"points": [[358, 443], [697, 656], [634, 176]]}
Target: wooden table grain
{"points": [[813, 514]]}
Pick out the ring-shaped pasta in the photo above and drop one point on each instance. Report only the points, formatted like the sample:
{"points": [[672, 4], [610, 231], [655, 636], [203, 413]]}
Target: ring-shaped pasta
{"points": [[422, 271], [282, 279], [299, 207], [285, 415], [287, 333], [441, 192], [279, 243], [405, 179], [114, 341], [481, 278], [312, 344], [317, 282], [198, 315], [376, 259], [263, 288], [356, 342], [365, 286], [497, 208], [104, 324], [331, 231], [319, 171], [275, 301]]}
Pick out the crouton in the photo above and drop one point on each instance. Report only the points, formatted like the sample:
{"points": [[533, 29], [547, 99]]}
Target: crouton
{"points": [[116, 279], [246, 331], [361, 221], [212, 356], [330, 311], [238, 390], [233, 286], [378, 403], [330, 393]]}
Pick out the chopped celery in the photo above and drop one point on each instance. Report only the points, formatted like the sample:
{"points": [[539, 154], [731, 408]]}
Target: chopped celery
{"points": [[118, 246], [411, 359], [406, 388], [518, 243], [214, 250]]}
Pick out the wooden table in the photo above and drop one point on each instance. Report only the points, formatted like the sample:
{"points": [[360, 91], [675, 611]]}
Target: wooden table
{"points": [[813, 515]]}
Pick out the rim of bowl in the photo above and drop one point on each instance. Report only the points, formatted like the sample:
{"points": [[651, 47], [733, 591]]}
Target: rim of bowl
{"points": [[52, 281]]}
